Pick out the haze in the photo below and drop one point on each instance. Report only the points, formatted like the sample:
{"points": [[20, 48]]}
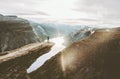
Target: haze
{"points": [[64, 11]]}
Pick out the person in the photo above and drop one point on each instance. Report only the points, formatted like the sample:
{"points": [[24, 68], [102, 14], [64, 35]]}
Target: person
{"points": [[48, 38]]}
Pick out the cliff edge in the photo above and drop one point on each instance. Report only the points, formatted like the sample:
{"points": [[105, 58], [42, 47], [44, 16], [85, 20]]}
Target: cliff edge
{"points": [[14, 64], [95, 57]]}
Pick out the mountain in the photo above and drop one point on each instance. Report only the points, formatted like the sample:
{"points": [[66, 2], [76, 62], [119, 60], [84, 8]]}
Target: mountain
{"points": [[60, 29], [19, 47], [94, 57], [15, 32], [78, 35], [69, 32], [39, 31], [14, 64]]}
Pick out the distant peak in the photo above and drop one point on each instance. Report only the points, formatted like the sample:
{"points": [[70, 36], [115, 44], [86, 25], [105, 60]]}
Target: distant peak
{"points": [[12, 16], [1, 15]]}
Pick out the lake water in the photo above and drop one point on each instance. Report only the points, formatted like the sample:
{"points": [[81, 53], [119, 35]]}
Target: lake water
{"points": [[54, 50]]}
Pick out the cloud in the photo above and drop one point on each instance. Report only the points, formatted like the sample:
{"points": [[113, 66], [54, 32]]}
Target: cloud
{"points": [[101, 11], [105, 10], [20, 7]]}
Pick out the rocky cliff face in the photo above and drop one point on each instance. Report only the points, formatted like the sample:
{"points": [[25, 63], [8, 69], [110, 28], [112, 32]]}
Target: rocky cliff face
{"points": [[14, 64], [76, 36], [15, 32], [95, 57], [54, 30]]}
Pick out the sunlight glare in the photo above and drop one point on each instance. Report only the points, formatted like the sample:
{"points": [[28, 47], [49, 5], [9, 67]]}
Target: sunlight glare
{"points": [[58, 41]]}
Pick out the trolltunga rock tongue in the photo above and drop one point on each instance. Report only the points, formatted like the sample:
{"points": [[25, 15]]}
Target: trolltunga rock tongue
{"points": [[15, 63]]}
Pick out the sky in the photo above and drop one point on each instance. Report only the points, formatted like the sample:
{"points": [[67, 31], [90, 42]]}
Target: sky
{"points": [[64, 11]]}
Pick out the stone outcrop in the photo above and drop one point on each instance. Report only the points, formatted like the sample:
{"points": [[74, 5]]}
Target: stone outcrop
{"points": [[14, 64], [95, 57]]}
